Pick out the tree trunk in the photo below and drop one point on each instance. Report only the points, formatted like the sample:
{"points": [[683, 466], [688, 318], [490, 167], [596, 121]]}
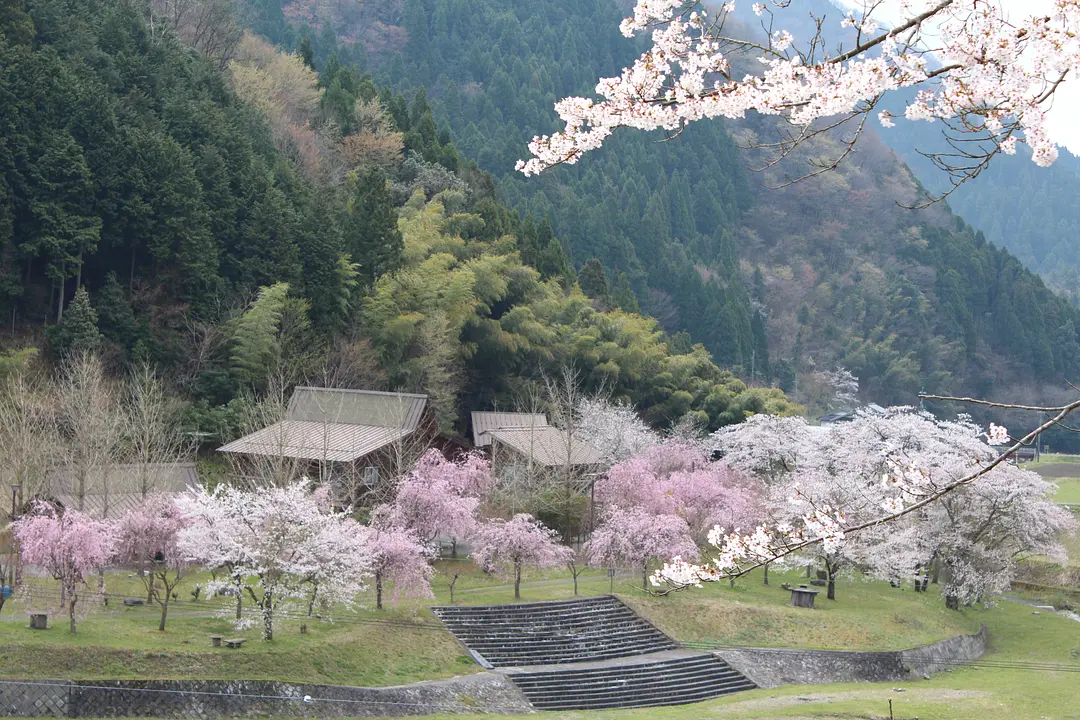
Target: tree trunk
{"points": [[766, 573], [60, 302], [645, 575], [453, 547], [575, 587], [517, 581], [72, 599], [239, 597], [268, 617], [378, 591], [149, 587], [830, 570], [164, 611]]}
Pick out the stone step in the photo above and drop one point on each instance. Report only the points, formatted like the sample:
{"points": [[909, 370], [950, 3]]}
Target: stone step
{"points": [[529, 638], [611, 618], [479, 631], [637, 691], [531, 607], [691, 664], [659, 673], [539, 648], [638, 686], [552, 616], [520, 661], [673, 698]]}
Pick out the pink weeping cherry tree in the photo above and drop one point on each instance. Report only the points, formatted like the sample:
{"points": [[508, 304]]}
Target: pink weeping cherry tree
{"points": [[522, 541], [634, 537], [675, 478], [146, 537], [400, 559], [438, 497], [68, 545]]}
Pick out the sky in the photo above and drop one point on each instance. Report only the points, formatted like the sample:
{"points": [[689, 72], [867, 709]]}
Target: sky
{"points": [[1066, 107]]}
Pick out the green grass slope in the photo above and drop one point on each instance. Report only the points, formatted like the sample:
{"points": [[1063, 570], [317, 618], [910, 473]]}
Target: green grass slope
{"points": [[406, 643], [1002, 686]]}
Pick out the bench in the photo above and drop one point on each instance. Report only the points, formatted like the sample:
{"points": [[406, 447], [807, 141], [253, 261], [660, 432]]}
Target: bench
{"points": [[215, 640], [134, 602], [235, 642]]}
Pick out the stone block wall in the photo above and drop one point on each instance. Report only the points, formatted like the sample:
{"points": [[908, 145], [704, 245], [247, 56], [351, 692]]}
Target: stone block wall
{"points": [[199, 699], [772, 667]]}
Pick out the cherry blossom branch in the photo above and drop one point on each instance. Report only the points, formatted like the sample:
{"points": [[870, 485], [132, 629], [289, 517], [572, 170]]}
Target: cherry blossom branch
{"points": [[991, 403], [911, 24], [995, 79]]}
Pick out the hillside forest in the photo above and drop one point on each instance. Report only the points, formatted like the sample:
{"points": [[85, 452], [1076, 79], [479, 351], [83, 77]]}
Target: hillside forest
{"points": [[177, 191], [283, 198], [830, 271]]}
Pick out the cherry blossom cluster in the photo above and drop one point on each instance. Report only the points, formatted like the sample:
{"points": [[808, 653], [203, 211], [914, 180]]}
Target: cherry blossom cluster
{"points": [[614, 428], [278, 545], [675, 478], [845, 493], [994, 75], [69, 546], [517, 543], [632, 538], [438, 497], [398, 557]]}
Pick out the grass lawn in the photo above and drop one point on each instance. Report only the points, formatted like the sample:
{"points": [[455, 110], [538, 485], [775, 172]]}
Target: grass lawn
{"points": [[125, 643], [1055, 458], [1068, 490], [121, 642], [1063, 470], [866, 615]]}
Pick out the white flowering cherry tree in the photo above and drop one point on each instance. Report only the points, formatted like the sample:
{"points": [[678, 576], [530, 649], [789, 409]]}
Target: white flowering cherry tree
{"points": [[893, 493], [989, 76], [283, 543]]}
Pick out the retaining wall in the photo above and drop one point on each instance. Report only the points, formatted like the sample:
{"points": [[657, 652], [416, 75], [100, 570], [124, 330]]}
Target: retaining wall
{"points": [[772, 667], [220, 698]]}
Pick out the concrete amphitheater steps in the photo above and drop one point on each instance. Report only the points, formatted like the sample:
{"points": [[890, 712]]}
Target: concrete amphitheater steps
{"points": [[653, 680], [589, 654], [553, 632]]}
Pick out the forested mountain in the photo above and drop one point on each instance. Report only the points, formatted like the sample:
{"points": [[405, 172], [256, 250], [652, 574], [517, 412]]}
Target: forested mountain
{"points": [[176, 190], [831, 270], [1032, 212]]}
